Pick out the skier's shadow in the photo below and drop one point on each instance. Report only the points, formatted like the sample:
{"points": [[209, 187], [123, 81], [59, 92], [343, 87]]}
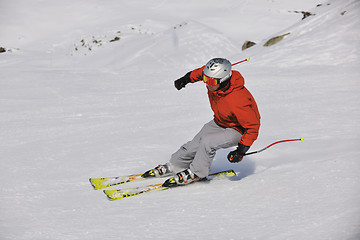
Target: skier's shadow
{"points": [[243, 169]]}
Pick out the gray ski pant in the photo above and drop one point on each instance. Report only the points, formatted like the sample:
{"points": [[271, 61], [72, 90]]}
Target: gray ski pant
{"points": [[199, 153]]}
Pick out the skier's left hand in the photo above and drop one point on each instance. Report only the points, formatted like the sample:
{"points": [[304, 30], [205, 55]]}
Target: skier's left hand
{"points": [[238, 154]]}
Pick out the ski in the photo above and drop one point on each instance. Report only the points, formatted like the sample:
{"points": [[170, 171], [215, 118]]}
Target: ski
{"points": [[169, 183], [130, 192], [99, 183]]}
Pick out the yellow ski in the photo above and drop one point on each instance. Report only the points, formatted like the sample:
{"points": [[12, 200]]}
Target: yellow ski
{"points": [[130, 192], [169, 183], [99, 183]]}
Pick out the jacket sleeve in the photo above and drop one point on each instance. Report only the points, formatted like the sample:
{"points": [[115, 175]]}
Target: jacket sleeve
{"points": [[248, 117], [196, 75]]}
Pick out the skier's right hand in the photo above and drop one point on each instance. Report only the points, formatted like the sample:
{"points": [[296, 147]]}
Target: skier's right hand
{"points": [[181, 82], [238, 154]]}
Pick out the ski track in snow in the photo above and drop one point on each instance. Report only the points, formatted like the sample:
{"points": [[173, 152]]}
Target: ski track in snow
{"points": [[69, 113]]}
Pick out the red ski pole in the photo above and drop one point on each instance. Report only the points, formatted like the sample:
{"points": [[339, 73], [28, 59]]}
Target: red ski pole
{"points": [[288, 140], [245, 60]]}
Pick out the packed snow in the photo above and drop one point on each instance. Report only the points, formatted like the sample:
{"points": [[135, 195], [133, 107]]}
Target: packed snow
{"points": [[86, 90]]}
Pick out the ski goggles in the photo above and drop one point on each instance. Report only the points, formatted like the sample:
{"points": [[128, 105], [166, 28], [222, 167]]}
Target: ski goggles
{"points": [[210, 81]]}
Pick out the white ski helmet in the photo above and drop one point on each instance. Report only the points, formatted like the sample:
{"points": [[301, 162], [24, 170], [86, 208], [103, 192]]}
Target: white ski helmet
{"points": [[219, 68]]}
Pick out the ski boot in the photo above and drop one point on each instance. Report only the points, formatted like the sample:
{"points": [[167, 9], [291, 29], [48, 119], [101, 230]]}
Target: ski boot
{"points": [[181, 178], [159, 171]]}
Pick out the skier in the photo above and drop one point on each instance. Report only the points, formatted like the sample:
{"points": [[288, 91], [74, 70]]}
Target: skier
{"points": [[236, 123]]}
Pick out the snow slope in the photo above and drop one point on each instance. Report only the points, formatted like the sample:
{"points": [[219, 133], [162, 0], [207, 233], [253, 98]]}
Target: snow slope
{"points": [[86, 90]]}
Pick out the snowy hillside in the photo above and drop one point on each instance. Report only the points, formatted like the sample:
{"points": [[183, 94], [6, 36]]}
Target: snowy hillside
{"points": [[86, 90]]}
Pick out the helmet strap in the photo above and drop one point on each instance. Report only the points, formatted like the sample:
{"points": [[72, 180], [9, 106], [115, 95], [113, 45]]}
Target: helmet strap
{"points": [[225, 85]]}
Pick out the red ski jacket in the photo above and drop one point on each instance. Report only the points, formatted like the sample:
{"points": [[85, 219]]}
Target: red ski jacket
{"points": [[234, 107]]}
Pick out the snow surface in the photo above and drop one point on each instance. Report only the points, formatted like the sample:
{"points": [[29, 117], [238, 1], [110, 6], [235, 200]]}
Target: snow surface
{"points": [[74, 105]]}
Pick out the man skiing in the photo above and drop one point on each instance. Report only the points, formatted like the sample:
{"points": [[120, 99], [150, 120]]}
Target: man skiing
{"points": [[236, 123]]}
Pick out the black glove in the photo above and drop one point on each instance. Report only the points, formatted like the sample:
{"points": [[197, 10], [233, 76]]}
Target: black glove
{"points": [[181, 82], [238, 154]]}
